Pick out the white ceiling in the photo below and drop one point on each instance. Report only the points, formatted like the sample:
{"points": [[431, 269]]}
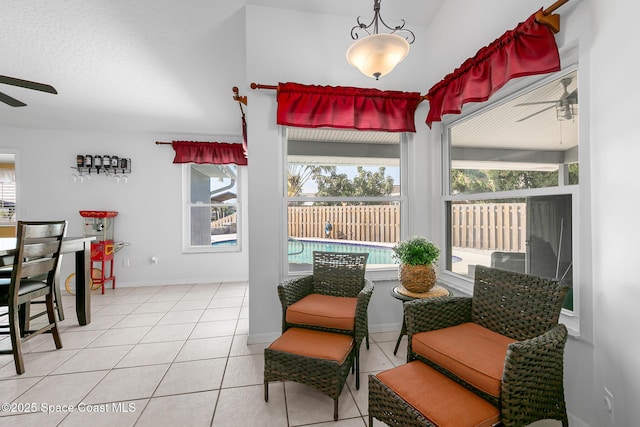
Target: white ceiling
{"points": [[143, 64], [416, 12]]}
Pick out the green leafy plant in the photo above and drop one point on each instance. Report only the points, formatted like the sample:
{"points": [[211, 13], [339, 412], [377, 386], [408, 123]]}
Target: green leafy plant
{"points": [[416, 251]]}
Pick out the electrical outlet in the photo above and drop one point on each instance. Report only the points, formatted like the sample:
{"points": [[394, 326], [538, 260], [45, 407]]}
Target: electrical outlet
{"points": [[608, 402], [126, 262]]}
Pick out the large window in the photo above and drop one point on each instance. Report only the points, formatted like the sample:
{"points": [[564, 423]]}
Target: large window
{"points": [[343, 194], [212, 208], [513, 175]]}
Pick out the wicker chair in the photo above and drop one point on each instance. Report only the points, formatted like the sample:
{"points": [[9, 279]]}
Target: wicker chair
{"points": [[326, 299], [523, 309]]}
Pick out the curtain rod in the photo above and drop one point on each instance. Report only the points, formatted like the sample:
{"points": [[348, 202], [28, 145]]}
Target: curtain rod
{"points": [[241, 99], [550, 19], [236, 97], [273, 87], [554, 6]]}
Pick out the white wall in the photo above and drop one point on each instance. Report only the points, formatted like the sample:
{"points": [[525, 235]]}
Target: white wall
{"points": [[614, 67], [149, 205]]}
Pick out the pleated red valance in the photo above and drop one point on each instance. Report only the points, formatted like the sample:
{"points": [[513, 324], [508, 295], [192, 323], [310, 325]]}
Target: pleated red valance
{"points": [[528, 49], [218, 153], [346, 107]]}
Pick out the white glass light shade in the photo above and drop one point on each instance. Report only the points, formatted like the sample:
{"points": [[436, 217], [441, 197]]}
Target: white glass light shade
{"points": [[376, 55]]}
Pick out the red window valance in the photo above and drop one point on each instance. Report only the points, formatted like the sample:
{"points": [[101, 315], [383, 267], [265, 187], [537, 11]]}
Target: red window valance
{"points": [[346, 107], [219, 153], [528, 49]]}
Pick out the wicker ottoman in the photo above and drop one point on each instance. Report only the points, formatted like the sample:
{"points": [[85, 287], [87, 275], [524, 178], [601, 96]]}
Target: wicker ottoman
{"points": [[415, 394], [319, 359]]}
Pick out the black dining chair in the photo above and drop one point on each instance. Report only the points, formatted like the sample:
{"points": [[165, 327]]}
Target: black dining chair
{"points": [[33, 273]]}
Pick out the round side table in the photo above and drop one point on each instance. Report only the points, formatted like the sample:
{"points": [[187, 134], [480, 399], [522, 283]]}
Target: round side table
{"points": [[400, 293]]}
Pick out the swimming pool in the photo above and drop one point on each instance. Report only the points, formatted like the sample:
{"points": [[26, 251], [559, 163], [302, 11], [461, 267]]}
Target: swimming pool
{"points": [[301, 251]]}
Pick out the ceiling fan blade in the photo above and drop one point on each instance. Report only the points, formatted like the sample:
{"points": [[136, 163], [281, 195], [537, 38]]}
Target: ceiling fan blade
{"points": [[28, 84], [535, 114], [535, 103], [11, 101]]}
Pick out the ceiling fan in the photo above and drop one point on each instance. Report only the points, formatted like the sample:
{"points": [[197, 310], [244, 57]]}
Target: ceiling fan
{"points": [[22, 83], [563, 105]]}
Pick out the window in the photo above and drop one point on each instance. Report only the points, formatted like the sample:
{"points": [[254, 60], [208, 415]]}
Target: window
{"points": [[212, 208], [7, 189], [343, 194], [512, 186]]}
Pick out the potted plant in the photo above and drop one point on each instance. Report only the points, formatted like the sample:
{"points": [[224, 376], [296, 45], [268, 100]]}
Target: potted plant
{"points": [[417, 257]]}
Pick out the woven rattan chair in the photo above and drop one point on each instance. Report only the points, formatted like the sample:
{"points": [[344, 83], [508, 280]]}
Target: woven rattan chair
{"points": [[519, 308], [33, 275], [326, 299]]}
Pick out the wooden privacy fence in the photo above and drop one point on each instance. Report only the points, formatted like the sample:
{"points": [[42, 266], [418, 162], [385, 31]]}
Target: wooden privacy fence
{"points": [[368, 223], [489, 226], [229, 219]]}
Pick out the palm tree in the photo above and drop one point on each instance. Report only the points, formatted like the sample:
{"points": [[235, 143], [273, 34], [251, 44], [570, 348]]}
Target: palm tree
{"points": [[298, 175]]}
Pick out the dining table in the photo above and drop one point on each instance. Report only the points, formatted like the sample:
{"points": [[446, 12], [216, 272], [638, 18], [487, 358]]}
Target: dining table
{"points": [[81, 247]]}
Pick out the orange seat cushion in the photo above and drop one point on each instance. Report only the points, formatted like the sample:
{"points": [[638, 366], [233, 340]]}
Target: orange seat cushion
{"points": [[440, 399], [471, 352], [325, 311], [316, 344]]}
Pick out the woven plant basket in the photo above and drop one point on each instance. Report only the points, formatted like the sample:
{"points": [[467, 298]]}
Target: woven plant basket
{"points": [[417, 278]]}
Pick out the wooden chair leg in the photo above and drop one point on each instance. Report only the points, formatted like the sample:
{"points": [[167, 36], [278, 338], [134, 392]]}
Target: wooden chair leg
{"points": [[52, 320], [24, 311], [266, 391], [16, 340], [335, 409], [58, 298], [357, 365]]}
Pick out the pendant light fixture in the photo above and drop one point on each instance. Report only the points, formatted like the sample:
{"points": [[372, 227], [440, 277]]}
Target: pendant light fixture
{"points": [[376, 54]]}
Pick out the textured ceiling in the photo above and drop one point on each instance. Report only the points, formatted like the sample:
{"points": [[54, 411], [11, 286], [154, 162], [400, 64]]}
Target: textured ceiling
{"points": [[418, 12], [143, 64]]}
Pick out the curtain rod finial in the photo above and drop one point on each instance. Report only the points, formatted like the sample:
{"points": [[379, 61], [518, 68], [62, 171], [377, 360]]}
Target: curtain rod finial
{"points": [[551, 20], [237, 97]]}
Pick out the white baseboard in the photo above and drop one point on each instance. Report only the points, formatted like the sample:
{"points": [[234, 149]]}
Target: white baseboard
{"points": [[576, 422], [262, 338]]}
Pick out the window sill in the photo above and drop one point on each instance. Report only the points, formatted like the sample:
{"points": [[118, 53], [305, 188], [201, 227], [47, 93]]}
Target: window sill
{"points": [[207, 250]]}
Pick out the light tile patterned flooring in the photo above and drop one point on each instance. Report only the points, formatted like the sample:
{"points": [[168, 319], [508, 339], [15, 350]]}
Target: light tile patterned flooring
{"points": [[170, 356]]}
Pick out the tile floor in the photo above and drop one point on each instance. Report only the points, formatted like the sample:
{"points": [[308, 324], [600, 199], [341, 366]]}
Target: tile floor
{"points": [[169, 356]]}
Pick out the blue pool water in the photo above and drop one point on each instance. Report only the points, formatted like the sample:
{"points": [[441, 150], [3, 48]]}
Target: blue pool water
{"points": [[301, 251]]}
